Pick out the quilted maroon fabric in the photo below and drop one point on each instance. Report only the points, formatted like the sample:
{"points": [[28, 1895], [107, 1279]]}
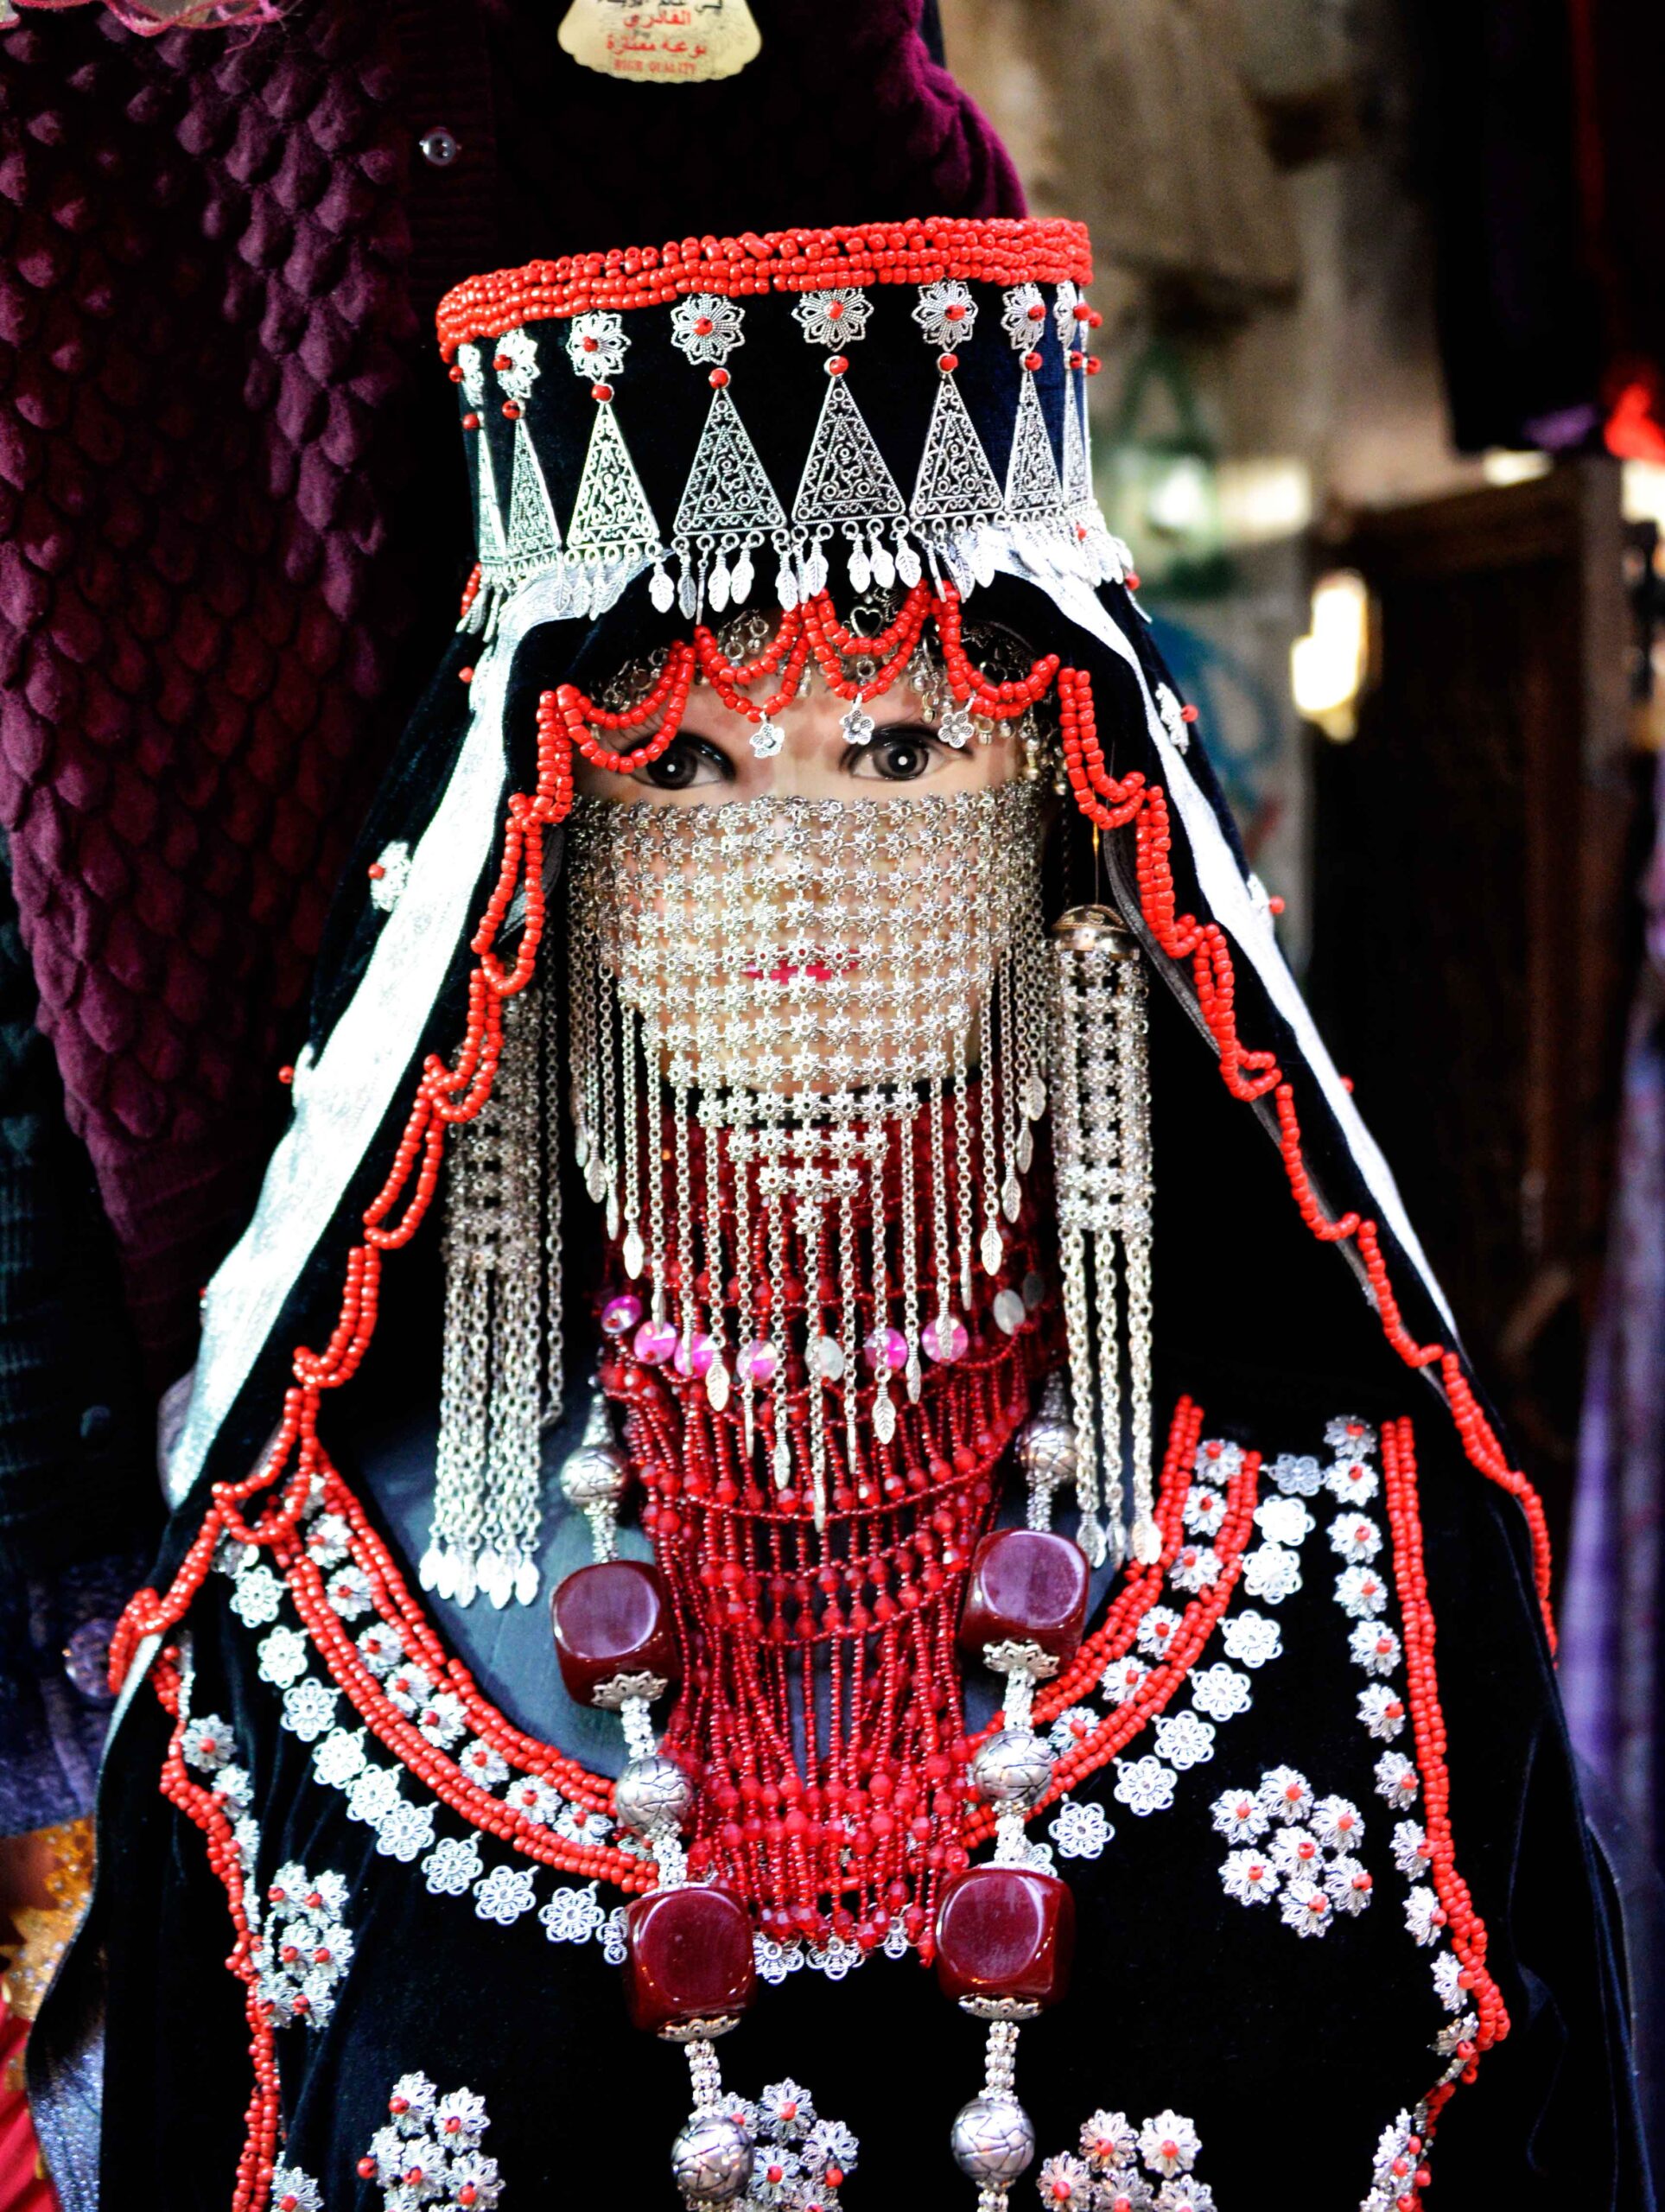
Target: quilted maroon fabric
{"points": [[219, 404], [203, 323]]}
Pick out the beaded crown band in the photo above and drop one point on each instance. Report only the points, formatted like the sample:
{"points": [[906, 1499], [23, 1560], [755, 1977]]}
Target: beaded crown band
{"points": [[908, 397]]}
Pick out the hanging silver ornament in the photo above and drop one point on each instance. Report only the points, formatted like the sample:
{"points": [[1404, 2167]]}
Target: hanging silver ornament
{"points": [[653, 1793], [1012, 1768], [1101, 1103], [993, 2140], [711, 2158]]}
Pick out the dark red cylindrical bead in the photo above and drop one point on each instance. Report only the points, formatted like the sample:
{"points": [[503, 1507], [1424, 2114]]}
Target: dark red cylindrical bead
{"points": [[1006, 1932], [613, 1618], [1026, 1585], [689, 1957]]}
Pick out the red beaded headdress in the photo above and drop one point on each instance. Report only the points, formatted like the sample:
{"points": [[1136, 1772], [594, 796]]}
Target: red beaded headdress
{"points": [[910, 395]]}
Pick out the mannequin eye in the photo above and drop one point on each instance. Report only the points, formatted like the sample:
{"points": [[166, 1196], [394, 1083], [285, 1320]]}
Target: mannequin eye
{"points": [[687, 761], [898, 756]]}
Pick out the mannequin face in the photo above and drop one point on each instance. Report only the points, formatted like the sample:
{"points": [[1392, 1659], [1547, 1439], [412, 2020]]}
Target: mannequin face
{"points": [[711, 762]]}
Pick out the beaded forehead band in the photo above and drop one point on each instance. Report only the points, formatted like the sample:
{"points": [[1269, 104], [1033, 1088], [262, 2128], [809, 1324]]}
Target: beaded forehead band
{"points": [[998, 654], [920, 408]]}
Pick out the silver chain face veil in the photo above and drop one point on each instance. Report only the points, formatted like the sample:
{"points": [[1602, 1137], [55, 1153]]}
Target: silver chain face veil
{"points": [[798, 976]]}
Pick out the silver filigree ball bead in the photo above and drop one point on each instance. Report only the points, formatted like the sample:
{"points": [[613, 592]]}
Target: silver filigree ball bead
{"points": [[993, 2140], [1012, 1768], [711, 2160], [652, 1793], [595, 1474], [1046, 1452]]}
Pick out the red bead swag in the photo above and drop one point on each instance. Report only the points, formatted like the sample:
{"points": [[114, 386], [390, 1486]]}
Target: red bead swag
{"points": [[764, 1837]]}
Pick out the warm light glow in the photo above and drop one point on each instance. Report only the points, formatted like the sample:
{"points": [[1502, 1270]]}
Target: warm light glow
{"points": [[1327, 667], [1505, 465], [1263, 498], [1178, 503], [1644, 492]]}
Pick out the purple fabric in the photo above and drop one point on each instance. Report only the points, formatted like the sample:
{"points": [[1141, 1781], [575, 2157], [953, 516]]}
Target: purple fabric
{"points": [[1610, 1656], [204, 347], [227, 477]]}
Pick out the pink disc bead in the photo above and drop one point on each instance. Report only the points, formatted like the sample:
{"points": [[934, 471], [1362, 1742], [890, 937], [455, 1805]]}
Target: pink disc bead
{"points": [[945, 1338], [689, 1957], [887, 1348], [619, 1315], [653, 1342], [1006, 1932], [609, 1619], [695, 1358], [756, 1361], [1026, 1585]]}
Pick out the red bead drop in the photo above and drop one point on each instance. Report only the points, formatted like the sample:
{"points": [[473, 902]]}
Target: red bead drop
{"points": [[610, 1619], [1006, 1932], [1027, 1585], [689, 1957]]}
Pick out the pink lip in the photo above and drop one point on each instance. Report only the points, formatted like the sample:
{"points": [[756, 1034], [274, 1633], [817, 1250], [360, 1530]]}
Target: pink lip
{"points": [[818, 971]]}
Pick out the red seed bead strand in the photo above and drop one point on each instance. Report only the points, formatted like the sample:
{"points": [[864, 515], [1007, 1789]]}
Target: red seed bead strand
{"points": [[1480, 1442], [567, 709], [470, 591], [1250, 1075], [1107, 803], [1464, 1925], [832, 644], [441, 1776], [1158, 1689], [251, 2191], [1327, 1231], [1375, 1268], [592, 1793], [1003, 702], [1001, 250], [400, 1609], [731, 681], [848, 644]]}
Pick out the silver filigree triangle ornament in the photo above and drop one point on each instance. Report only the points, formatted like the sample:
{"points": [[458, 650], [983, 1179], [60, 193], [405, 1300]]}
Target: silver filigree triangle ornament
{"points": [[1033, 493], [534, 543], [613, 530], [728, 507], [957, 491], [613, 525], [1077, 472], [491, 543], [1103, 554], [845, 485]]}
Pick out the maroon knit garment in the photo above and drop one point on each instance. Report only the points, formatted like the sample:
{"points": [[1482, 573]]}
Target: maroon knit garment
{"points": [[220, 253]]}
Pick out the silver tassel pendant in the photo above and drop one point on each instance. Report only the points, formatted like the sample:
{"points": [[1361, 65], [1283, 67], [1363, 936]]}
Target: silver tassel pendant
{"points": [[499, 1386], [1101, 1103]]}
